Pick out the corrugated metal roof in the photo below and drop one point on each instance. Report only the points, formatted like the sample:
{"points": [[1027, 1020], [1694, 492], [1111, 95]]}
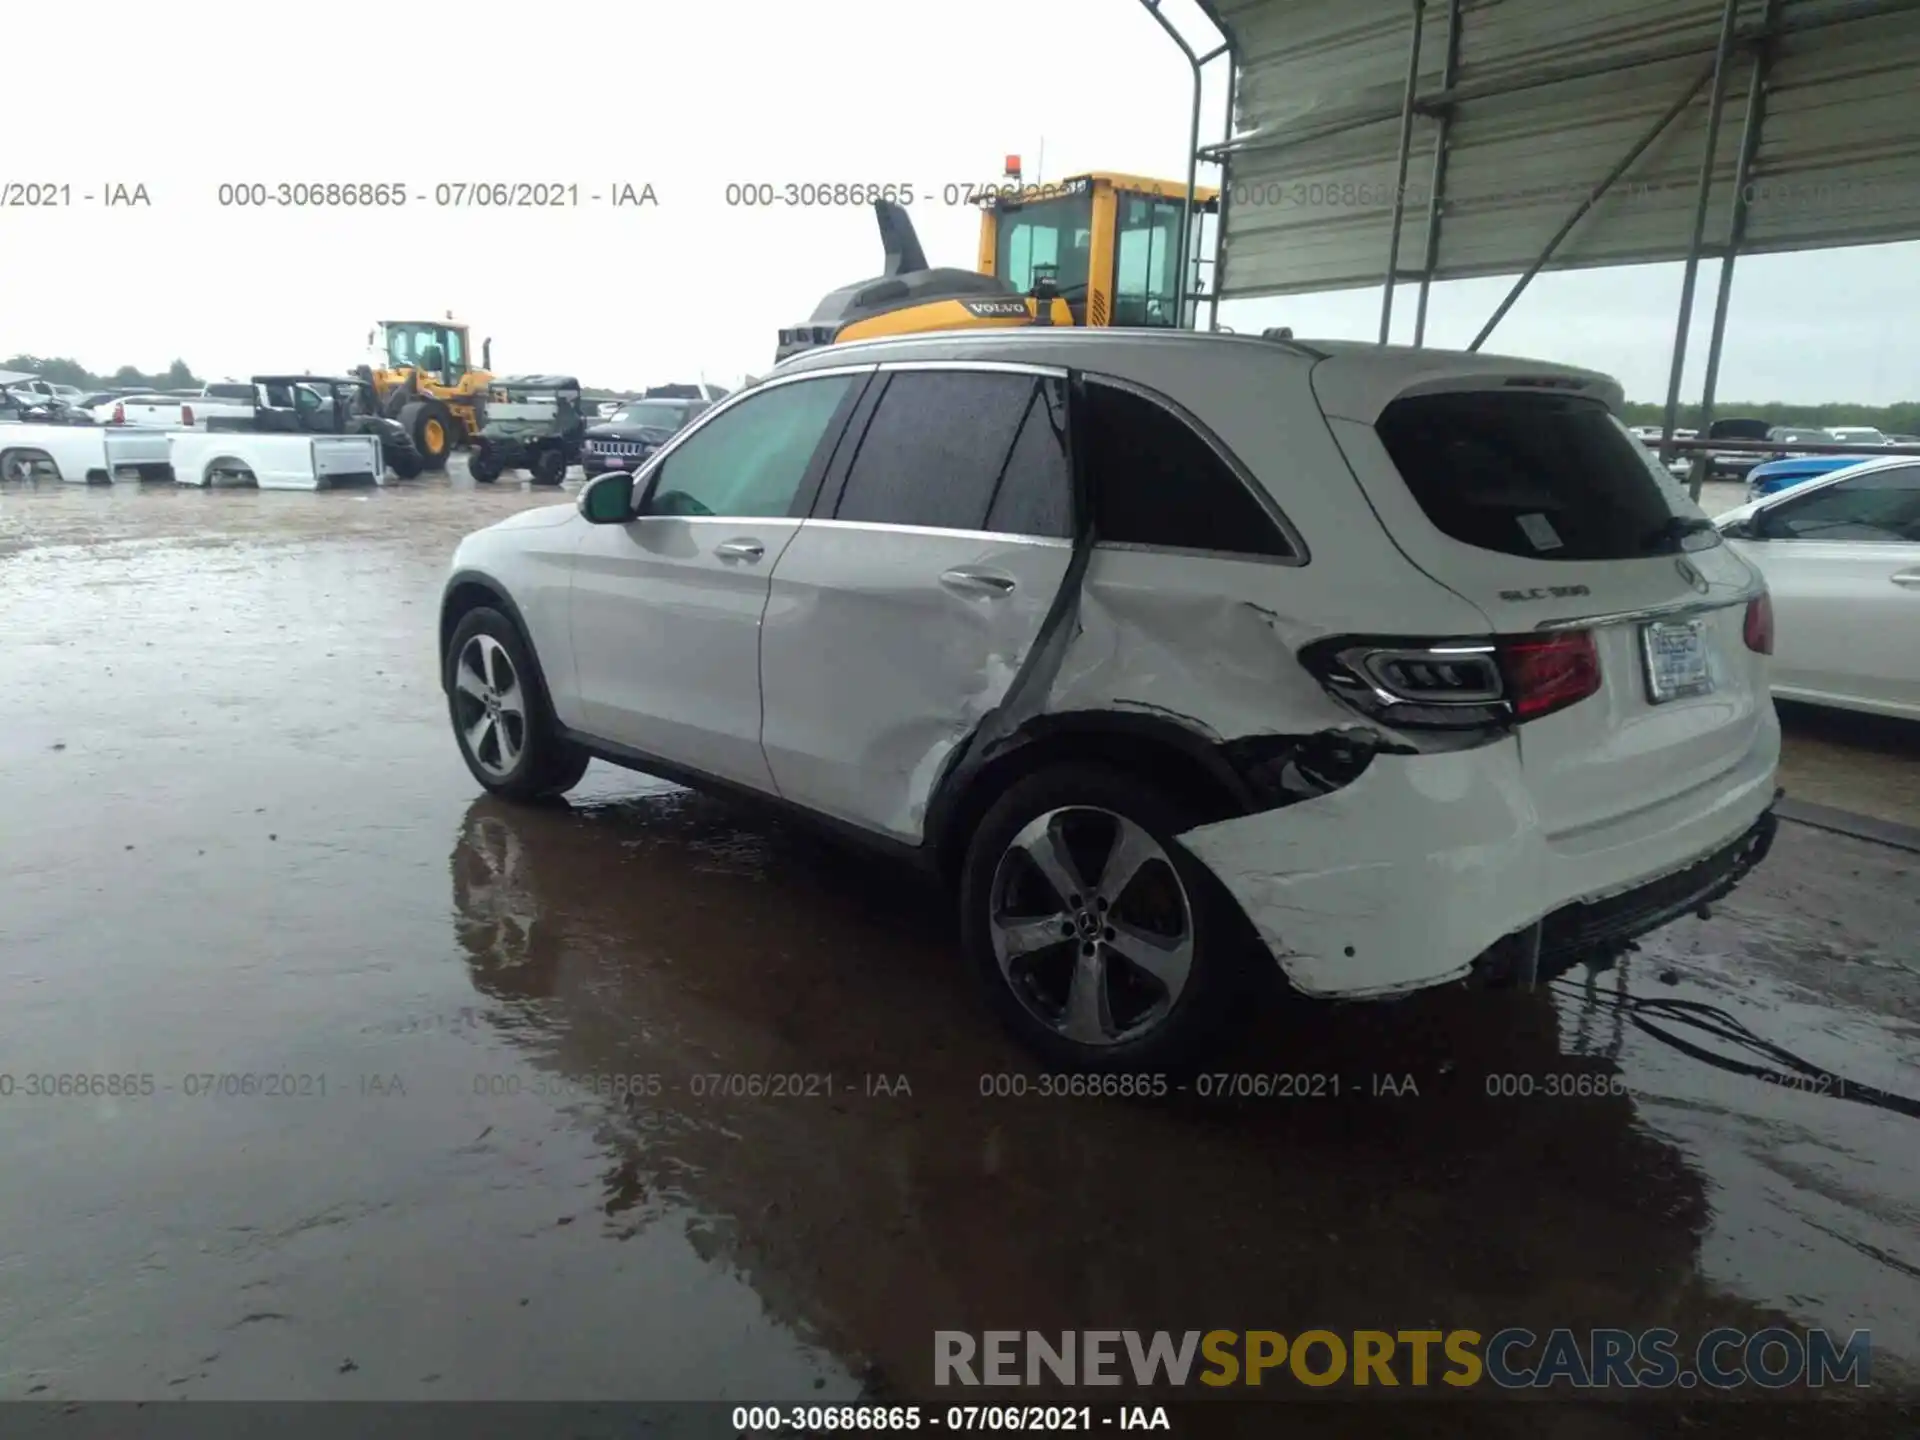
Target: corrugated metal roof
{"points": [[1838, 162]]}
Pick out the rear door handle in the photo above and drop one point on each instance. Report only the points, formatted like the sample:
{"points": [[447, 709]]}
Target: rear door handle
{"points": [[1908, 578], [740, 550], [977, 582]]}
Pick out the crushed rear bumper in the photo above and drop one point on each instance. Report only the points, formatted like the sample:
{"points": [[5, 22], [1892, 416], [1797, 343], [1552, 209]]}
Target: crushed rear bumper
{"points": [[1428, 869]]}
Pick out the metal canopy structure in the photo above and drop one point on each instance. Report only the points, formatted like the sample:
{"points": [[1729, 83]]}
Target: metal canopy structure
{"points": [[1406, 141]]}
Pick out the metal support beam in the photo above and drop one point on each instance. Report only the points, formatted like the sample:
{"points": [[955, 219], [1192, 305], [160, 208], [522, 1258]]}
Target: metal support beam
{"points": [[1737, 224], [1437, 182], [1220, 220], [1193, 163], [1690, 276], [1400, 171], [1593, 198]]}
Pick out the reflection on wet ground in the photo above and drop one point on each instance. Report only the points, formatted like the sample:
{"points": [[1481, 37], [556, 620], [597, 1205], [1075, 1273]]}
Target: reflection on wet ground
{"points": [[646, 1096]]}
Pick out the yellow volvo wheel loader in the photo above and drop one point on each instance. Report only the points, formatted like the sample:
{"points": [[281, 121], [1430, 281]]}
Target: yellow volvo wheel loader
{"points": [[423, 374], [1096, 249]]}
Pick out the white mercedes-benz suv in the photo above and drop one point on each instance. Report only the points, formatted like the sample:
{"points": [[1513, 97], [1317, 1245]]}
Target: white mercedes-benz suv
{"points": [[1179, 655]]}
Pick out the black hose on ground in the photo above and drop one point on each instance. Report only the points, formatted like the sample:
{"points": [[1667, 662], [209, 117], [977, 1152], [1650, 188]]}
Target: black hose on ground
{"points": [[1794, 1073]]}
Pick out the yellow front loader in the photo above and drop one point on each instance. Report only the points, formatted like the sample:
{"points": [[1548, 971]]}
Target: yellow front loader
{"points": [[1096, 249], [423, 373]]}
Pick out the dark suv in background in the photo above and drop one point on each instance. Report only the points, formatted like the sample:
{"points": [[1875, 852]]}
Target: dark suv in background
{"points": [[625, 439]]}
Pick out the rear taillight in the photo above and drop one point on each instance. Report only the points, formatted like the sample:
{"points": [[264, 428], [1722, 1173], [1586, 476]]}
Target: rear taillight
{"points": [[119, 414], [186, 415], [1468, 684], [1759, 625], [1549, 672]]}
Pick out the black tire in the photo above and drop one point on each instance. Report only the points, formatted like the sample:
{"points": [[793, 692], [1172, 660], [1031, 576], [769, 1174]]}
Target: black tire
{"points": [[549, 466], [545, 764], [431, 426], [1225, 953], [483, 465], [405, 465]]}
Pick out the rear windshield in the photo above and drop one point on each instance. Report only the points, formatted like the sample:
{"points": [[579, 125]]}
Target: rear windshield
{"points": [[1550, 477]]}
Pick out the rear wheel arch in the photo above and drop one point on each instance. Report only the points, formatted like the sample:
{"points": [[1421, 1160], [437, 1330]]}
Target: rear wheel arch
{"points": [[1159, 750]]}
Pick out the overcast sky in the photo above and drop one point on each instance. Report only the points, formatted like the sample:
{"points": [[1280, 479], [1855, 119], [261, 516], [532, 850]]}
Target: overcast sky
{"points": [[688, 98]]}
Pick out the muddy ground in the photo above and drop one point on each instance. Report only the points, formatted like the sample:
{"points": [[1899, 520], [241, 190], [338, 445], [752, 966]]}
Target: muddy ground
{"points": [[236, 840]]}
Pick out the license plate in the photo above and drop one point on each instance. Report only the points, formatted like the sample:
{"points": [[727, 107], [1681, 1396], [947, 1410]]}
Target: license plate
{"points": [[1676, 652]]}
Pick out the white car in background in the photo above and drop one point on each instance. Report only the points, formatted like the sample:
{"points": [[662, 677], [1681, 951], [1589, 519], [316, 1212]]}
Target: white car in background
{"points": [[1841, 555]]}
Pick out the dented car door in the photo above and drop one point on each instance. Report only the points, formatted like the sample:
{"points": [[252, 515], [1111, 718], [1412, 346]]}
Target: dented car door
{"points": [[904, 608]]}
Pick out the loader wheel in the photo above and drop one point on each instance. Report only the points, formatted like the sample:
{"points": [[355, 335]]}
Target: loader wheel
{"points": [[431, 425], [549, 467]]}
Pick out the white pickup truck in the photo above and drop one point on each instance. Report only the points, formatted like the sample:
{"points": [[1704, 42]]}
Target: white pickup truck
{"points": [[84, 454], [145, 409]]}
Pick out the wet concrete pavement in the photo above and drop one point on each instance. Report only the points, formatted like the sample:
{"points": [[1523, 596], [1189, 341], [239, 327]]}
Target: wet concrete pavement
{"points": [[238, 841]]}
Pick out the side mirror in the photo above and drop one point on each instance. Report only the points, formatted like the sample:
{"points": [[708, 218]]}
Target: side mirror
{"points": [[609, 499], [486, 354]]}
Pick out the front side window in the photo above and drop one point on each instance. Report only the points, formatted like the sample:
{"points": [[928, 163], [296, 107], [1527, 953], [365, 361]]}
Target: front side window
{"points": [[749, 462], [1050, 232], [1146, 261], [1882, 507]]}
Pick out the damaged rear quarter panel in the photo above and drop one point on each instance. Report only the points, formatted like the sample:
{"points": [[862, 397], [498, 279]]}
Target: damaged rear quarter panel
{"points": [[1398, 881]]}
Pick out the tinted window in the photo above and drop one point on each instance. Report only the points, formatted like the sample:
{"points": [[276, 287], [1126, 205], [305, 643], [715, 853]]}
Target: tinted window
{"points": [[935, 449], [230, 392], [750, 461], [1550, 477], [1035, 494], [1882, 506], [1156, 482]]}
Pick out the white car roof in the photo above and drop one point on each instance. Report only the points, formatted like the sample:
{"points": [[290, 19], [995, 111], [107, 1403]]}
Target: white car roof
{"points": [[1353, 379]]}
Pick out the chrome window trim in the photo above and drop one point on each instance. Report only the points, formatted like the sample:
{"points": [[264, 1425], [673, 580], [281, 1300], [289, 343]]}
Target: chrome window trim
{"points": [[1268, 505], [1194, 552], [888, 527], [990, 367]]}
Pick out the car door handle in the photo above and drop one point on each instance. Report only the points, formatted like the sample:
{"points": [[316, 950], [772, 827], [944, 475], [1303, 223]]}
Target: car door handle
{"points": [[1908, 578], [977, 582], [740, 550]]}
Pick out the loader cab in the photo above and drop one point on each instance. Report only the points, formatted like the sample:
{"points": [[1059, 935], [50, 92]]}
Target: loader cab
{"points": [[1112, 240], [433, 347]]}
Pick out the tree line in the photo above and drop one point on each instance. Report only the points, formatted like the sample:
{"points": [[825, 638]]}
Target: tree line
{"points": [[58, 370]]}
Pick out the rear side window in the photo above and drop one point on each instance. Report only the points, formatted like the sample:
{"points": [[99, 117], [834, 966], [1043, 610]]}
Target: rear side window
{"points": [[938, 447], [1550, 477], [1156, 482]]}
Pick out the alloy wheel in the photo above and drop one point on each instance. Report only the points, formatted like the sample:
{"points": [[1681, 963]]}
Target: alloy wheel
{"points": [[1091, 925], [490, 707]]}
